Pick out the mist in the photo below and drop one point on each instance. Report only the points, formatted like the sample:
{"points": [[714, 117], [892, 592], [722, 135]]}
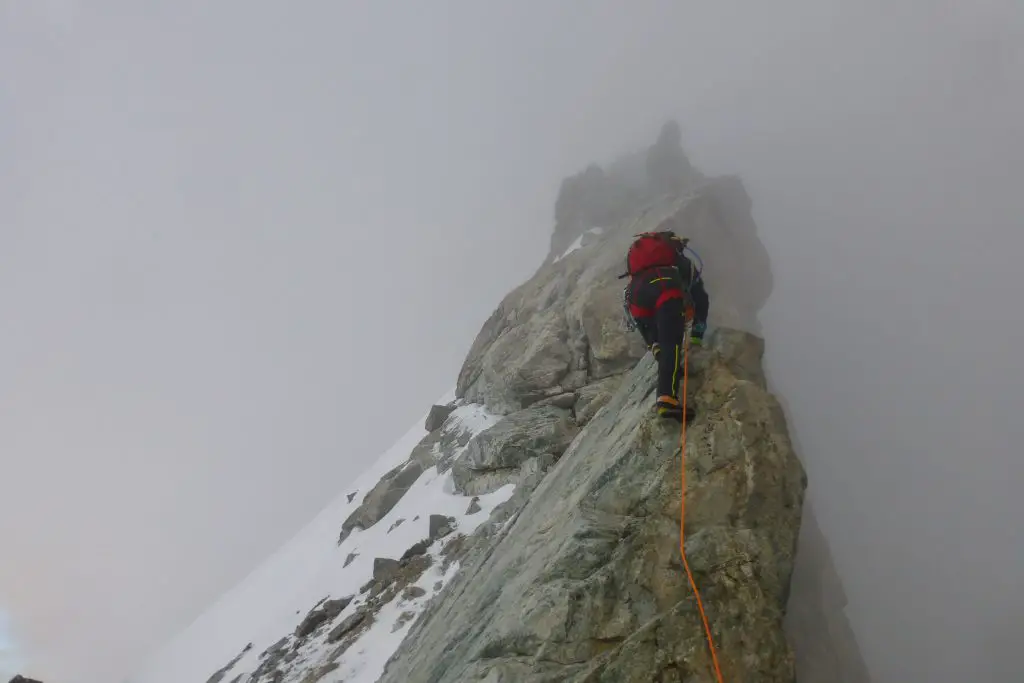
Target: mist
{"points": [[245, 245]]}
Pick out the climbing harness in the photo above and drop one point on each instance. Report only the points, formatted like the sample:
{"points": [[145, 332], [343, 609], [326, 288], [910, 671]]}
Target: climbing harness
{"points": [[682, 520]]}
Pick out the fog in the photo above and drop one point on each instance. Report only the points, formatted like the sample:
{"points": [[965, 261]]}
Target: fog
{"points": [[245, 244]]}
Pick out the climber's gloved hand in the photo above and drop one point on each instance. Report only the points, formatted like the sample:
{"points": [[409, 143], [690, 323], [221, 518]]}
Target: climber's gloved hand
{"points": [[697, 333]]}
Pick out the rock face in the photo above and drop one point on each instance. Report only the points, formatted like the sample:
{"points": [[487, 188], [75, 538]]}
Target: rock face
{"points": [[565, 329], [587, 583], [22, 679]]}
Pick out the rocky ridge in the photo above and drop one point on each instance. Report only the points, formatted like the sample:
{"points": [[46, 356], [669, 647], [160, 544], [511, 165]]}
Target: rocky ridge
{"points": [[586, 584], [575, 573]]}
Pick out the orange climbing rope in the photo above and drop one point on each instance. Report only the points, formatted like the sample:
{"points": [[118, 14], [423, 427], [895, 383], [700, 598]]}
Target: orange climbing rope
{"points": [[682, 520]]}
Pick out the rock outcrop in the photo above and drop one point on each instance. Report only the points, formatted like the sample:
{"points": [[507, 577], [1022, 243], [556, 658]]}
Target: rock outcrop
{"points": [[668, 169], [321, 614], [382, 498], [22, 679], [587, 583], [530, 438], [437, 416], [588, 199]]}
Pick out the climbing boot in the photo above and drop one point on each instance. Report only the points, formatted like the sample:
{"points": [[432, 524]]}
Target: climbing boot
{"points": [[697, 334], [669, 407]]}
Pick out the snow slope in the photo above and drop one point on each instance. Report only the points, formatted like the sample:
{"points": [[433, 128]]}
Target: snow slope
{"points": [[269, 603]]}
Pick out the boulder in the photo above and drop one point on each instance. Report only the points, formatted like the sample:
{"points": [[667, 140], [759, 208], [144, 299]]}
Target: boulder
{"points": [[382, 497], [440, 526], [565, 401], [413, 592], [497, 455], [437, 416], [347, 625], [320, 615], [593, 397], [441, 446], [416, 549], [385, 568], [426, 452]]}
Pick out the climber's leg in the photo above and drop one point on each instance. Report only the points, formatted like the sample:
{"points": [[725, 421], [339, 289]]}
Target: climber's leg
{"points": [[671, 326], [671, 333]]}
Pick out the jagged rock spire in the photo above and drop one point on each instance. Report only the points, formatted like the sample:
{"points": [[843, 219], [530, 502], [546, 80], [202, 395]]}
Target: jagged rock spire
{"points": [[668, 168]]}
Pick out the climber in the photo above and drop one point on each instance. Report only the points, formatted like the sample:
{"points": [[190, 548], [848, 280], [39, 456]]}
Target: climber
{"points": [[694, 285], [657, 300]]}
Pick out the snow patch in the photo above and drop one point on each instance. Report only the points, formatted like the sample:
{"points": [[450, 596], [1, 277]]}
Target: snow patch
{"points": [[364, 661], [578, 242], [472, 417], [272, 600]]}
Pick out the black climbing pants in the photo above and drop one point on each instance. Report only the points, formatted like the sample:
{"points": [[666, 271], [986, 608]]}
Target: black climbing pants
{"points": [[670, 319], [657, 301], [664, 335]]}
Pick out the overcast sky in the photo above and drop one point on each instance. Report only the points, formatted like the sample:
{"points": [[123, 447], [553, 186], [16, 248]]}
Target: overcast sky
{"points": [[243, 245]]}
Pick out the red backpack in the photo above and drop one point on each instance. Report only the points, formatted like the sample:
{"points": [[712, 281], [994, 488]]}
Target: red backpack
{"points": [[649, 250]]}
